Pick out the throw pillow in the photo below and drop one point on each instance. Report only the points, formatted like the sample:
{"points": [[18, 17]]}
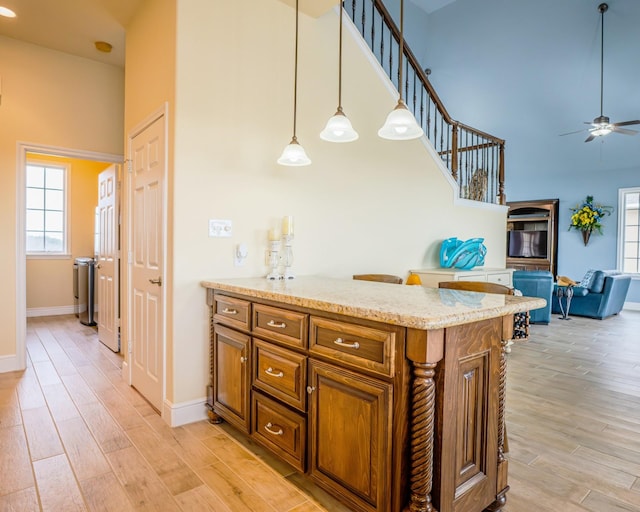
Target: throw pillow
{"points": [[585, 282], [597, 282]]}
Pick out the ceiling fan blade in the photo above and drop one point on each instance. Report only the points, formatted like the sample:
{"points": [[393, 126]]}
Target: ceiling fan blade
{"points": [[627, 123], [590, 138], [624, 131], [571, 133]]}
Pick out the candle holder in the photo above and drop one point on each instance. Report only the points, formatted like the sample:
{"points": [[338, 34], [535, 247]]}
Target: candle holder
{"points": [[274, 260], [287, 256]]}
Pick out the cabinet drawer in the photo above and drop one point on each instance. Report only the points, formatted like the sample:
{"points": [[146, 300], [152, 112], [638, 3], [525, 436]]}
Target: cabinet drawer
{"points": [[280, 430], [232, 312], [500, 278], [281, 325], [280, 373], [472, 277], [358, 345]]}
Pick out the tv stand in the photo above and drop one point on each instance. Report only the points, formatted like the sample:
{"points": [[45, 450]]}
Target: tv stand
{"points": [[539, 216]]}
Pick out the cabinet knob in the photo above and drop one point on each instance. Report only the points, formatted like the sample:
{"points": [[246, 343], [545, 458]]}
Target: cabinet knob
{"points": [[310, 389], [243, 359]]}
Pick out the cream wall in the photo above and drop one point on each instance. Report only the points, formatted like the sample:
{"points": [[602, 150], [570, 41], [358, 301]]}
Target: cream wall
{"points": [[149, 85], [48, 98], [369, 206], [49, 281]]}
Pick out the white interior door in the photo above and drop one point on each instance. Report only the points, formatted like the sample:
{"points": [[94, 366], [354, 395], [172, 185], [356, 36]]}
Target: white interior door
{"points": [[147, 154], [108, 251]]}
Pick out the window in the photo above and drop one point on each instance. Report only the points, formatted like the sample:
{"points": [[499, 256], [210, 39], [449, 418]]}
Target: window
{"points": [[629, 230], [46, 216]]}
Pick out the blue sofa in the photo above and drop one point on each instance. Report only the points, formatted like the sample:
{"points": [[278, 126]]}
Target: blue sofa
{"points": [[536, 283], [601, 297]]}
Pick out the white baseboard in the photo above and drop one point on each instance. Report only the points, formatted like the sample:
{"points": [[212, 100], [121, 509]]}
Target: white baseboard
{"points": [[631, 306], [52, 311], [11, 364], [184, 412]]}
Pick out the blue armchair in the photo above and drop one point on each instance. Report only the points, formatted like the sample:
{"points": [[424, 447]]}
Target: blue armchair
{"points": [[602, 297], [536, 283]]}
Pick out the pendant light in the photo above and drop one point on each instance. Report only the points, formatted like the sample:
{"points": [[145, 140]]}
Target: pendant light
{"points": [[400, 124], [294, 154], [339, 127]]}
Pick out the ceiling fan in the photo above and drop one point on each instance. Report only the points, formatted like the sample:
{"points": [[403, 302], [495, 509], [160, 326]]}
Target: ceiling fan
{"points": [[601, 125]]}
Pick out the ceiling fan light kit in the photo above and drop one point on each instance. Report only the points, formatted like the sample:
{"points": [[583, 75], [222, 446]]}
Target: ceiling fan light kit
{"points": [[601, 125]]}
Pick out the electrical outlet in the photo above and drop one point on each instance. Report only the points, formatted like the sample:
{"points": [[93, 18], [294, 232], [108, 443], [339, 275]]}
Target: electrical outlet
{"points": [[220, 228]]}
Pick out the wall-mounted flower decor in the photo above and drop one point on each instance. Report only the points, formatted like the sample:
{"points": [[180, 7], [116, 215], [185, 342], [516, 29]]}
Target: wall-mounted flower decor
{"points": [[586, 217]]}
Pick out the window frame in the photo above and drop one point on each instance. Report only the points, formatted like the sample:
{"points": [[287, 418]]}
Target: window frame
{"points": [[65, 253], [622, 194]]}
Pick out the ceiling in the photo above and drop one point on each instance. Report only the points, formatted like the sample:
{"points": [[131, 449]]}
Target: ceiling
{"points": [[79, 23], [72, 26]]}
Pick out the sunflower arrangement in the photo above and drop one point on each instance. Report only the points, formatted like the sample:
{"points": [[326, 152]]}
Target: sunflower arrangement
{"points": [[587, 216]]}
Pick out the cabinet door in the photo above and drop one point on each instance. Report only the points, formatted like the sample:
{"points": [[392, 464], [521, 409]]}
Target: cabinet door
{"points": [[231, 377], [350, 435]]}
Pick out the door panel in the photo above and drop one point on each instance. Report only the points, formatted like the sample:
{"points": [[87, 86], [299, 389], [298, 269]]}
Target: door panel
{"points": [[108, 247], [147, 240]]}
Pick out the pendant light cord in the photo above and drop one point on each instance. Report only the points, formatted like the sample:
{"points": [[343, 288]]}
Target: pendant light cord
{"points": [[602, 11], [340, 63], [295, 78], [401, 49]]}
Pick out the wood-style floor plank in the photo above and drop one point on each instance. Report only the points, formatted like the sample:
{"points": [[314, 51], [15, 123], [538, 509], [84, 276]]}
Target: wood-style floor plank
{"points": [[25, 500], [84, 453], [104, 493], [42, 436], [144, 488], [57, 486], [15, 466]]}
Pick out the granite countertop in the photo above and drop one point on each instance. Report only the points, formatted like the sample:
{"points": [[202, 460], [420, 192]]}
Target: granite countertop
{"points": [[407, 306]]}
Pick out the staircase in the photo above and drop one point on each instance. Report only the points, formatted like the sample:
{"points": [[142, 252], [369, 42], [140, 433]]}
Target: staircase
{"points": [[475, 159]]}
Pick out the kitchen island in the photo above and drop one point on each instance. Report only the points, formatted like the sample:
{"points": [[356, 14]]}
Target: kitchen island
{"points": [[389, 397]]}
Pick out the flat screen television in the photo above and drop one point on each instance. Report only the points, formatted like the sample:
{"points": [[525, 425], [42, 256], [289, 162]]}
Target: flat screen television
{"points": [[527, 244]]}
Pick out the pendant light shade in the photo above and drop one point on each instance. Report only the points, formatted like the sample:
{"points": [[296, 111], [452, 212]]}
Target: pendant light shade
{"points": [[338, 128], [401, 124], [294, 154]]}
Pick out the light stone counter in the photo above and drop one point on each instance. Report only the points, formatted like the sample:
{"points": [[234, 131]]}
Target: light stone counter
{"points": [[407, 306]]}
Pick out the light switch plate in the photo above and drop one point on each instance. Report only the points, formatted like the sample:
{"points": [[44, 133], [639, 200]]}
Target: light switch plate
{"points": [[220, 228]]}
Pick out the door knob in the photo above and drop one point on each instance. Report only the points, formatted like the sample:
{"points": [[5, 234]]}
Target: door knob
{"points": [[156, 281], [98, 266]]}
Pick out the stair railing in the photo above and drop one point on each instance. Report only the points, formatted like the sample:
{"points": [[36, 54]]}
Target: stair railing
{"points": [[474, 158]]}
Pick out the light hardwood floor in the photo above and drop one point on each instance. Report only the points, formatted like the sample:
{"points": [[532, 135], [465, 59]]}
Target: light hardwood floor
{"points": [[74, 436]]}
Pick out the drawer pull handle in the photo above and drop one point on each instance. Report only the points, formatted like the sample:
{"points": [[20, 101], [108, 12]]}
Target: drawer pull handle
{"points": [[268, 427], [281, 325], [269, 371], [243, 359], [341, 342], [230, 311]]}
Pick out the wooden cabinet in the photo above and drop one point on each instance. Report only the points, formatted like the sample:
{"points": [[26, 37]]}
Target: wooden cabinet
{"points": [[381, 416], [532, 235], [232, 374], [430, 277], [350, 435]]}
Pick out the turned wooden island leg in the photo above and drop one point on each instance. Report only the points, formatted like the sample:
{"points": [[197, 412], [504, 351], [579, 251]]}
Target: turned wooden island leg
{"points": [[422, 421], [501, 487], [424, 350]]}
